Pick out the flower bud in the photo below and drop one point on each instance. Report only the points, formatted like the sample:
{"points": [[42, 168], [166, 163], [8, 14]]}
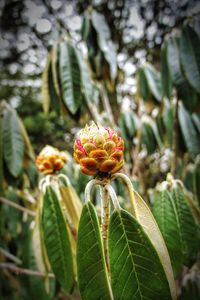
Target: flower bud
{"points": [[50, 160], [98, 149]]}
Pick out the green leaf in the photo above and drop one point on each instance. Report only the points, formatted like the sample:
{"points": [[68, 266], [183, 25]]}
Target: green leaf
{"points": [[154, 81], [13, 143], [1, 157], [189, 55], [173, 61], [70, 77], [92, 274], [185, 92], [188, 228], [129, 123], [57, 241], [165, 213], [168, 120], [142, 85], [135, 267], [196, 121], [165, 73], [104, 41], [46, 100], [190, 136], [148, 137], [145, 217]]}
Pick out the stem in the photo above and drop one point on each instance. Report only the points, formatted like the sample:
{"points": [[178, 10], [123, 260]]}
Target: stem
{"points": [[89, 187], [28, 272], [113, 196], [105, 212], [17, 206], [175, 139], [130, 189], [10, 256], [106, 105]]}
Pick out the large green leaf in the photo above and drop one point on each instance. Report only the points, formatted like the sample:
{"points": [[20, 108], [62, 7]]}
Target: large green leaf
{"points": [[70, 77], [189, 54], [166, 78], [92, 274], [13, 143], [165, 213], [190, 135], [188, 228], [135, 267], [57, 241]]}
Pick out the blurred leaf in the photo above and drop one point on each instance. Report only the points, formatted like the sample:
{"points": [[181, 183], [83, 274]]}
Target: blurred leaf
{"points": [[196, 121], [1, 156], [104, 41], [142, 85], [46, 100], [70, 77], [92, 274], [165, 73], [128, 120], [28, 147], [13, 143], [189, 55], [168, 120], [189, 132], [56, 238], [148, 137], [136, 269], [185, 92], [154, 81], [164, 211], [173, 60]]}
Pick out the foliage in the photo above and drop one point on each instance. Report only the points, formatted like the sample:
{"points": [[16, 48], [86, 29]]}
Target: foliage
{"points": [[160, 126]]}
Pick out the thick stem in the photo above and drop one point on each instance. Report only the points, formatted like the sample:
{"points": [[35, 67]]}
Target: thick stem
{"points": [[105, 212], [175, 139]]}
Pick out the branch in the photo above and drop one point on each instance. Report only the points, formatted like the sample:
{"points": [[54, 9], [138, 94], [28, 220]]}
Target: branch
{"points": [[17, 206], [10, 256], [106, 105], [17, 270]]}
